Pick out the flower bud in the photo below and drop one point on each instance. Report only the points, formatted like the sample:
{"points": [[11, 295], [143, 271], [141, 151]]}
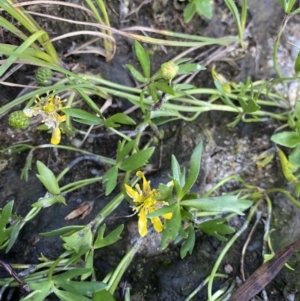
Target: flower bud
{"points": [[169, 70], [18, 120], [43, 76]]}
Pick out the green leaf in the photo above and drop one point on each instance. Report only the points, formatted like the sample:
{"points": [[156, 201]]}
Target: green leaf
{"points": [[26, 168], [103, 295], [297, 108], [291, 4], [195, 164], [165, 193], [89, 263], [182, 60], [136, 74], [283, 4], [161, 211], [204, 8], [4, 218], [110, 178], [71, 274], [223, 95], [152, 91], [175, 167], [137, 160], [47, 177], [81, 287], [172, 227], [176, 174], [117, 119], [189, 12], [83, 116], [78, 239], [75, 257], [165, 87], [250, 106], [110, 239], [224, 203], [190, 68], [297, 65], [233, 8], [88, 100], [297, 190], [189, 243], [62, 231], [49, 201], [68, 296], [14, 234], [124, 148], [216, 227], [20, 49], [40, 290], [294, 156], [143, 58], [288, 139]]}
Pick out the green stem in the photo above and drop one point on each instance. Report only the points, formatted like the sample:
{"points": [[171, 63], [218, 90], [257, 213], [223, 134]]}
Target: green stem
{"points": [[276, 44], [226, 248], [286, 193], [78, 184]]}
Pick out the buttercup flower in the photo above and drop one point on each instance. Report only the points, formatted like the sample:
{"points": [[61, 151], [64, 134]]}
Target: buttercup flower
{"points": [[48, 108], [146, 203]]}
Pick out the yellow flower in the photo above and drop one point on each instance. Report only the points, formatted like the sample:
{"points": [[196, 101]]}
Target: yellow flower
{"points": [[48, 108], [146, 202]]}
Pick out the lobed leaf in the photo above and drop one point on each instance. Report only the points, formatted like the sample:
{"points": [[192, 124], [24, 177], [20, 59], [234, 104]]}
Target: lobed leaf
{"points": [[189, 243]]}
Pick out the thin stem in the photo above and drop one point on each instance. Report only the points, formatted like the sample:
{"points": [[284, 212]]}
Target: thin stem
{"points": [[226, 248]]}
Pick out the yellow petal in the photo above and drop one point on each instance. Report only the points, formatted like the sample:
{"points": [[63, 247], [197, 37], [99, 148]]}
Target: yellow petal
{"points": [[138, 189], [61, 118], [146, 184], [157, 224], [142, 225], [167, 215], [131, 192], [56, 136]]}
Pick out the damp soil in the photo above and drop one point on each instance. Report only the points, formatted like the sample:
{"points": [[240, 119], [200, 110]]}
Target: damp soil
{"points": [[156, 275]]}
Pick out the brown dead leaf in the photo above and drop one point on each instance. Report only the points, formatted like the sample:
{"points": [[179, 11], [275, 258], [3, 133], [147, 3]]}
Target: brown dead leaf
{"points": [[263, 275], [84, 209]]}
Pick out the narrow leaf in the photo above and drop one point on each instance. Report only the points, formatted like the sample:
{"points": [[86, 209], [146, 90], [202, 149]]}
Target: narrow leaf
{"points": [[189, 12], [172, 227], [47, 177], [136, 74], [62, 231], [224, 203], [143, 58], [68, 296], [117, 119], [137, 160], [195, 164], [110, 178], [83, 116]]}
